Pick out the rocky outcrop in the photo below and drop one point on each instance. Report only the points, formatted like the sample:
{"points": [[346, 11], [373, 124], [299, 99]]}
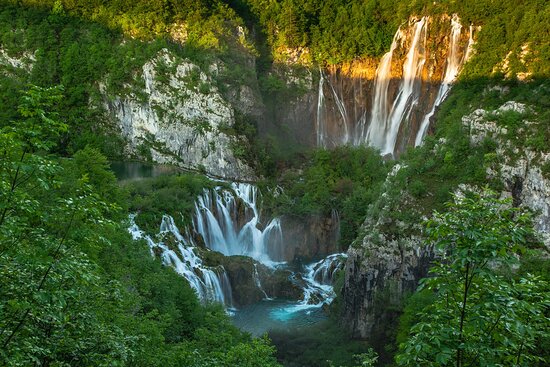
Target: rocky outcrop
{"points": [[180, 118], [518, 167], [378, 277], [312, 237], [384, 265], [390, 257], [24, 61], [252, 281]]}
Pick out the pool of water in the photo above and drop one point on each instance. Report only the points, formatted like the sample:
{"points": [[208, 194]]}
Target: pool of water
{"points": [[136, 170], [267, 315]]}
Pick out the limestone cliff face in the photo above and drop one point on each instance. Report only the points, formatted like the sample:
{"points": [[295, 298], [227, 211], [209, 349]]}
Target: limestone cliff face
{"points": [[311, 237], [384, 265], [519, 168], [180, 119], [24, 61]]}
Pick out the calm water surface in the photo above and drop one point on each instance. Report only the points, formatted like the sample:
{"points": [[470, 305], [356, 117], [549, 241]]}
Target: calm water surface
{"points": [[136, 170], [266, 315]]}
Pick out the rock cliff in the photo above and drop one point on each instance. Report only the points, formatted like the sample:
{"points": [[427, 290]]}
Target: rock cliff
{"points": [[180, 118], [519, 167], [384, 264], [389, 258]]}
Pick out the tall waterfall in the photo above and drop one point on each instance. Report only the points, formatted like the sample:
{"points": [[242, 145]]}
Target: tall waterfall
{"points": [[229, 222], [408, 94], [455, 60], [320, 124], [210, 284], [342, 109], [377, 128], [411, 80]]}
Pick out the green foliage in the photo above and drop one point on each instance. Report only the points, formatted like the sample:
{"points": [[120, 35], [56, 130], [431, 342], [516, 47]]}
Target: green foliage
{"points": [[172, 195], [75, 289], [413, 305], [345, 180], [82, 47], [54, 306], [324, 344], [338, 30], [480, 315]]}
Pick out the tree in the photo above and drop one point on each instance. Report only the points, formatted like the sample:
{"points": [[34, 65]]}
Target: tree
{"points": [[55, 309], [481, 315]]}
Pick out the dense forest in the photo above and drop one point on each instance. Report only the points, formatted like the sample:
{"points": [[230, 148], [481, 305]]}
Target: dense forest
{"points": [[77, 290]]}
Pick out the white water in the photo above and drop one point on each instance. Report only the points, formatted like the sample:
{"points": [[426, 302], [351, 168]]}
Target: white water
{"points": [[324, 271], [408, 94], [452, 69], [378, 127], [258, 282], [318, 278], [230, 222], [343, 113], [321, 127], [210, 284], [470, 47]]}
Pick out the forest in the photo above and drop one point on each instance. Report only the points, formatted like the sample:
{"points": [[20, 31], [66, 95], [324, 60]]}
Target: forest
{"points": [[77, 290]]}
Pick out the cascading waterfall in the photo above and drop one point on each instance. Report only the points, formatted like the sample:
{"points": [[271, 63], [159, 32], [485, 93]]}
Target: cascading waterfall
{"points": [[216, 220], [452, 69], [377, 128], [258, 282], [398, 112], [210, 284], [229, 221], [408, 94], [324, 271], [318, 278], [320, 124]]}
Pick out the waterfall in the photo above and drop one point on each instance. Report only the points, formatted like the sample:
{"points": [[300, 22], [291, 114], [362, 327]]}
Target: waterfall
{"points": [[321, 128], [317, 283], [229, 221], [218, 216], [408, 96], [258, 282], [323, 272], [379, 115], [470, 47], [401, 100], [210, 284], [343, 113], [452, 69]]}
